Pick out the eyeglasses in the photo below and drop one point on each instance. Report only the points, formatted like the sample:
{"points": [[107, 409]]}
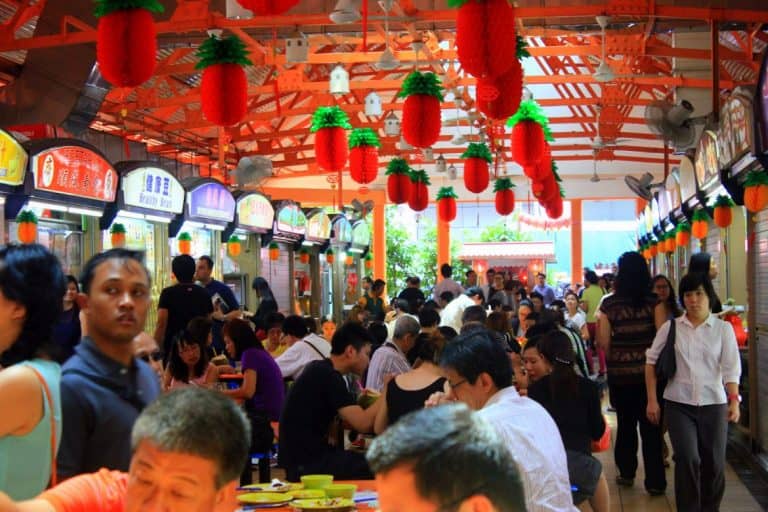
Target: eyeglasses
{"points": [[457, 384], [154, 356]]}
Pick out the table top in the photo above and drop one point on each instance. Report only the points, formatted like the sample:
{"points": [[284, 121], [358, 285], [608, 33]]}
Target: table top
{"points": [[362, 486]]}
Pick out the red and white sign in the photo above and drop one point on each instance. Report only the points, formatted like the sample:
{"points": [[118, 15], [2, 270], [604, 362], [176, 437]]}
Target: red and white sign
{"points": [[75, 171]]}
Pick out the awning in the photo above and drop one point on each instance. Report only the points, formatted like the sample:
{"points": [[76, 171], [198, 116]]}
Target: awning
{"points": [[508, 251]]}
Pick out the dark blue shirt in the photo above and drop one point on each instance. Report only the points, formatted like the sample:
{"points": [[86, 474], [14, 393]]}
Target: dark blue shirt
{"points": [[229, 303], [101, 400]]}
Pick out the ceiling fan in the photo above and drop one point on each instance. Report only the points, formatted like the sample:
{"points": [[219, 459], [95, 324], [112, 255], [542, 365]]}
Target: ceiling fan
{"points": [[595, 178], [604, 73], [598, 142]]}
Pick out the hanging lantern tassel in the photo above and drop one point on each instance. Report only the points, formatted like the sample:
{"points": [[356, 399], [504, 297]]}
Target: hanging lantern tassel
{"points": [[117, 235], [683, 234], [224, 86], [27, 227], [700, 224], [418, 199], [234, 246], [530, 131], [398, 180], [421, 111], [185, 243], [126, 42], [330, 257], [505, 196], [476, 176], [485, 36], [446, 204], [274, 251], [329, 124], [363, 155], [756, 191]]}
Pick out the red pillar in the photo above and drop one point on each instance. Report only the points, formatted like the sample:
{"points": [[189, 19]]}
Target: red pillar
{"points": [[577, 266]]}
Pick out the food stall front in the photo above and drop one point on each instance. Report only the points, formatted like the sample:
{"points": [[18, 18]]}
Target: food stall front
{"points": [[69, 185], [310, 265], [13, 166], [254, 216], [277, 253], [340, 301], [210, 207]]}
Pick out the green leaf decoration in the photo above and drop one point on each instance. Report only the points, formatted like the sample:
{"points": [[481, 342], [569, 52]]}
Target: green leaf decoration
{"points": [[683, 227], [419, 176], [273, 245], [723, 200], [700, 214], [446, 192], [234, 239], [230, 50], [755, 178], [503, 184], [184, 237], [363, 137], [104, 7], [27, 216], [455, 4], [421, 83], [478, 150], [117, 228], [329, 252], [531, 111], [369, 257], [398, 166], [329, 117], [562, 190], [555, 173], [522, 48]]}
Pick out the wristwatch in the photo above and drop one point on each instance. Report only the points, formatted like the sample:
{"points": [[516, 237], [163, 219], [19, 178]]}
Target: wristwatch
{"points": [[735, 396]]}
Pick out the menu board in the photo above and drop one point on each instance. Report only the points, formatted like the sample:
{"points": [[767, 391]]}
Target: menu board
{"points": [[13, 160], [211, 201], [687, 179], [706, 164], [153, 188], [255, 211], [361, 234], [290, 219], [319, 226], [342, 230], [672, 185], [75, 171]]}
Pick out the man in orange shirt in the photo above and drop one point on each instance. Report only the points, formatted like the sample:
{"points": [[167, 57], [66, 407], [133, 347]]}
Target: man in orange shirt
{"points": [[189, 448]]}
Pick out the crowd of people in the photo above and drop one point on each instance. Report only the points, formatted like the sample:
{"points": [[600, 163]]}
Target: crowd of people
{"points": [[123, 416]]}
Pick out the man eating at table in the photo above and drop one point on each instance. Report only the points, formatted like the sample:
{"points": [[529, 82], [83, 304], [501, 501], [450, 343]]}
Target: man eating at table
{"points": [[318, 396], [189, 447]]}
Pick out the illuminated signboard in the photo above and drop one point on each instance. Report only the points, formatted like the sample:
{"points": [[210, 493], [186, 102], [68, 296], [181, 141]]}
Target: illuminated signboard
{"points": [[687, 179], [255, 211], [211, 201], [319, 226], [706, 164], [75, 171], [13, 160], [154, 189], [290, 219]]}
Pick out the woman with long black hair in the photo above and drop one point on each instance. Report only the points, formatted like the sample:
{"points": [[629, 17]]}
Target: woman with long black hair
{"points": [[267, 303]]}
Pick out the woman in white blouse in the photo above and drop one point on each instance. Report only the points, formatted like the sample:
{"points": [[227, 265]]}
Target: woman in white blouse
{"points": [[701, 397]]}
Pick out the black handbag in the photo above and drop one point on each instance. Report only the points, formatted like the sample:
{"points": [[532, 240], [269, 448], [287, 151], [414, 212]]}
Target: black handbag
{"points": [[666, 364]]}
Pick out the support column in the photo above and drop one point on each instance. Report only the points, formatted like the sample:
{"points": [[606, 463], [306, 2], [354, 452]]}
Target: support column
{"points": [[443, 246], [379, 241], [577, 266]]}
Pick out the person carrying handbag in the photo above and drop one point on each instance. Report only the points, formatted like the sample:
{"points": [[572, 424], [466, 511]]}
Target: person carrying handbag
{"points": [[699, 356]]}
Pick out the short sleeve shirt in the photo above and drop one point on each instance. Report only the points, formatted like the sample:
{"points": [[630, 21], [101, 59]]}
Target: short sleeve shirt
{"points": [[312, 404], [269, 381], [104, 491], [183, 302]]}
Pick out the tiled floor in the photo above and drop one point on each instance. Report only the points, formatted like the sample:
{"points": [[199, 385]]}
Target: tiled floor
{"points": [[737, 497]]}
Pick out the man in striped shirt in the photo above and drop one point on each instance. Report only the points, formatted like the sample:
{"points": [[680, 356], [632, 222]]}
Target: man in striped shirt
{"points": [[390, 358]]}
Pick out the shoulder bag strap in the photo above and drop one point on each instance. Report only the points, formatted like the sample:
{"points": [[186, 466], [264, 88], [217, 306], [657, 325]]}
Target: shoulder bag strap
{"points": [[671, 333], [315, 349], [48, 397]]}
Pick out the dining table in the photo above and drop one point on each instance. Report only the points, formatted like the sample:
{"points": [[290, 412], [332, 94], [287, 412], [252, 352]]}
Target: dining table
{"points": [[365, 499]]}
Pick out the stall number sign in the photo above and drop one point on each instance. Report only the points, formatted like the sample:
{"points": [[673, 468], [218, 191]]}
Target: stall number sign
{"points": [[153, 189], [75, 171], [212, 201]]}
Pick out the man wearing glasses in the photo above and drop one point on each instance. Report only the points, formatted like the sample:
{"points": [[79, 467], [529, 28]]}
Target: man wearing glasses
{"points": [[479, 374], [444, 459]]}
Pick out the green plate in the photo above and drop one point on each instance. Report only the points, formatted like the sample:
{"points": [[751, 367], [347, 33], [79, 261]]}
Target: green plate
{"points": [[264, 498], [324, 505], [306, 494], [266, 487]]}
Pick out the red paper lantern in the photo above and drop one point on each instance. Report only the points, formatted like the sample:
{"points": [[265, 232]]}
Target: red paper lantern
{"points": [[505, 196], [476, 176], [510, 87], [398, 181], [363, 155], [527, 143], [418, 198], [126, 47], [224, 94], [267, 7], [421, 120], [331, 148], [446, 204], [555, 208], [543, 169], [485, 37]]}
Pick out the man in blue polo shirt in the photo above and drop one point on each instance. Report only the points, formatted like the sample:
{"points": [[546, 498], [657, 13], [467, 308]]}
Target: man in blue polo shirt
{"points": [[225, 305], [103, 386]]}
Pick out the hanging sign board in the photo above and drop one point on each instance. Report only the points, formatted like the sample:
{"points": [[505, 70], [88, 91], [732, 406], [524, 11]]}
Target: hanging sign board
{"points": [[736, 122], [75, 171], [255, 211], [648, 219], [154, 189], [672, 186], [342, 230], [687, 179], [290, 219], [706, 164], [13, 160], [655, 217], [664, 202], [762, 106], [361, 234], [319, 226], [211, 201], [641, 225]]}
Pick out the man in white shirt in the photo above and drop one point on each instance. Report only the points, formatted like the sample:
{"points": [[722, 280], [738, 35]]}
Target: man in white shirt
{"points": [[303, 348], [447, 284], [390, 358], [480, 375], [452, 313]]}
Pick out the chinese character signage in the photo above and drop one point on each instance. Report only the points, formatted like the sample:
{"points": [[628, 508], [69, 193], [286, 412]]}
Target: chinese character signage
{"points": [[361, 235], [255, 211], [706, 163], [75, 171], [319, 226], [211, 201], [13, 160], [290, 219], [154, 189]]}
